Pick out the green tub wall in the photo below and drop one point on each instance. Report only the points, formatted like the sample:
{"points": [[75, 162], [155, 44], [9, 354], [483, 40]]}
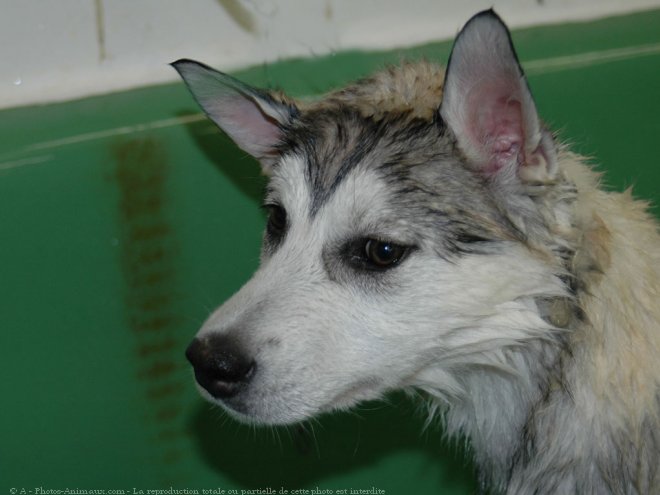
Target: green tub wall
{"points": [[125, 218]]}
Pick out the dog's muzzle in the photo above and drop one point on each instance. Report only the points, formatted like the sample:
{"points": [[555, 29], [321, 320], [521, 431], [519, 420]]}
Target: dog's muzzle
{"points": [[221, 367]]}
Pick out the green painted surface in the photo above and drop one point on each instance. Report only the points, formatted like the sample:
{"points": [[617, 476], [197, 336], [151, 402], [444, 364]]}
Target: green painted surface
{"points": [[121, 228]]}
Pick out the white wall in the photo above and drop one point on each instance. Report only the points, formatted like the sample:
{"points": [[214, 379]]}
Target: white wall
{"points": [[52, 50]]}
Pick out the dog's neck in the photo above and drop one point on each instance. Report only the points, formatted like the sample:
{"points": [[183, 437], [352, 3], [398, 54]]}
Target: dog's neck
{"points": [[559, 411], [498, 400], [501, 390]]}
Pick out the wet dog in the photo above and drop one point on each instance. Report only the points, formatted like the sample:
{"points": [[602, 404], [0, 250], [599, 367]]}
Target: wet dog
{"points": [[426, 231]]}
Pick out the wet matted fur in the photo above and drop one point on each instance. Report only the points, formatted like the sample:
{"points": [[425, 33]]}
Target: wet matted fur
{"points": [[427, 232]]}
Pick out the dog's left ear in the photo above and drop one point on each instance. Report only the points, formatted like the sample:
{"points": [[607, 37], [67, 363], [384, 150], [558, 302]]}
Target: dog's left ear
{"points": [[488, 106], [254, 119]]}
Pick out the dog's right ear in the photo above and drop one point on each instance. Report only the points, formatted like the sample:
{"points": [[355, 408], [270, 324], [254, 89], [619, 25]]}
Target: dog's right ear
{"points": [[252, 118]]}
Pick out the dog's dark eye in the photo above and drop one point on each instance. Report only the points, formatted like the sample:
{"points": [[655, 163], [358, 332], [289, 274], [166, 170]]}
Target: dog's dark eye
{"points": [[382, 254], [276, 220]]}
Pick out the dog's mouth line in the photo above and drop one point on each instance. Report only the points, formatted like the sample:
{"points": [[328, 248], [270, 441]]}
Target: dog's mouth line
{"points": [[364, 389]]}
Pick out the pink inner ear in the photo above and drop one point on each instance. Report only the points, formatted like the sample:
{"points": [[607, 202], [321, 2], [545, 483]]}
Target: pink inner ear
{"points": [[497, 127], [243, 120]]}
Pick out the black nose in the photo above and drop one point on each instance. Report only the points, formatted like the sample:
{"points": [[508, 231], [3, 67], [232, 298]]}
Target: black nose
{"points": [[221, 367]]}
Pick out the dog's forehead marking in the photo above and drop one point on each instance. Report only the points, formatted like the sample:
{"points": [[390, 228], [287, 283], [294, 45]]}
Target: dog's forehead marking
{"points": [[400, 170], [362, 205], [335, 141], [356, 199], [337, 144], [411, 162]]}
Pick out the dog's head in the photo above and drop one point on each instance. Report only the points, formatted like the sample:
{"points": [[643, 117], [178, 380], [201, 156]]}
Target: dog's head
{"points": [[400, 251]]}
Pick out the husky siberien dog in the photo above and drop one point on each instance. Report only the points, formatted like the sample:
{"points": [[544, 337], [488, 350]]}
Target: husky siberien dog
{"points": [[427, 232]]}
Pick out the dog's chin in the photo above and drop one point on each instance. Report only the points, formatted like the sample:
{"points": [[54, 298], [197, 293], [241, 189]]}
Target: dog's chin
{"points": [[250, 417], [265, 411]]}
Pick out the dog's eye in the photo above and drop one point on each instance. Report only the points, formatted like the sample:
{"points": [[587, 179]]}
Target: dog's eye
{"points": [[382, 254], [276, 220]]}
